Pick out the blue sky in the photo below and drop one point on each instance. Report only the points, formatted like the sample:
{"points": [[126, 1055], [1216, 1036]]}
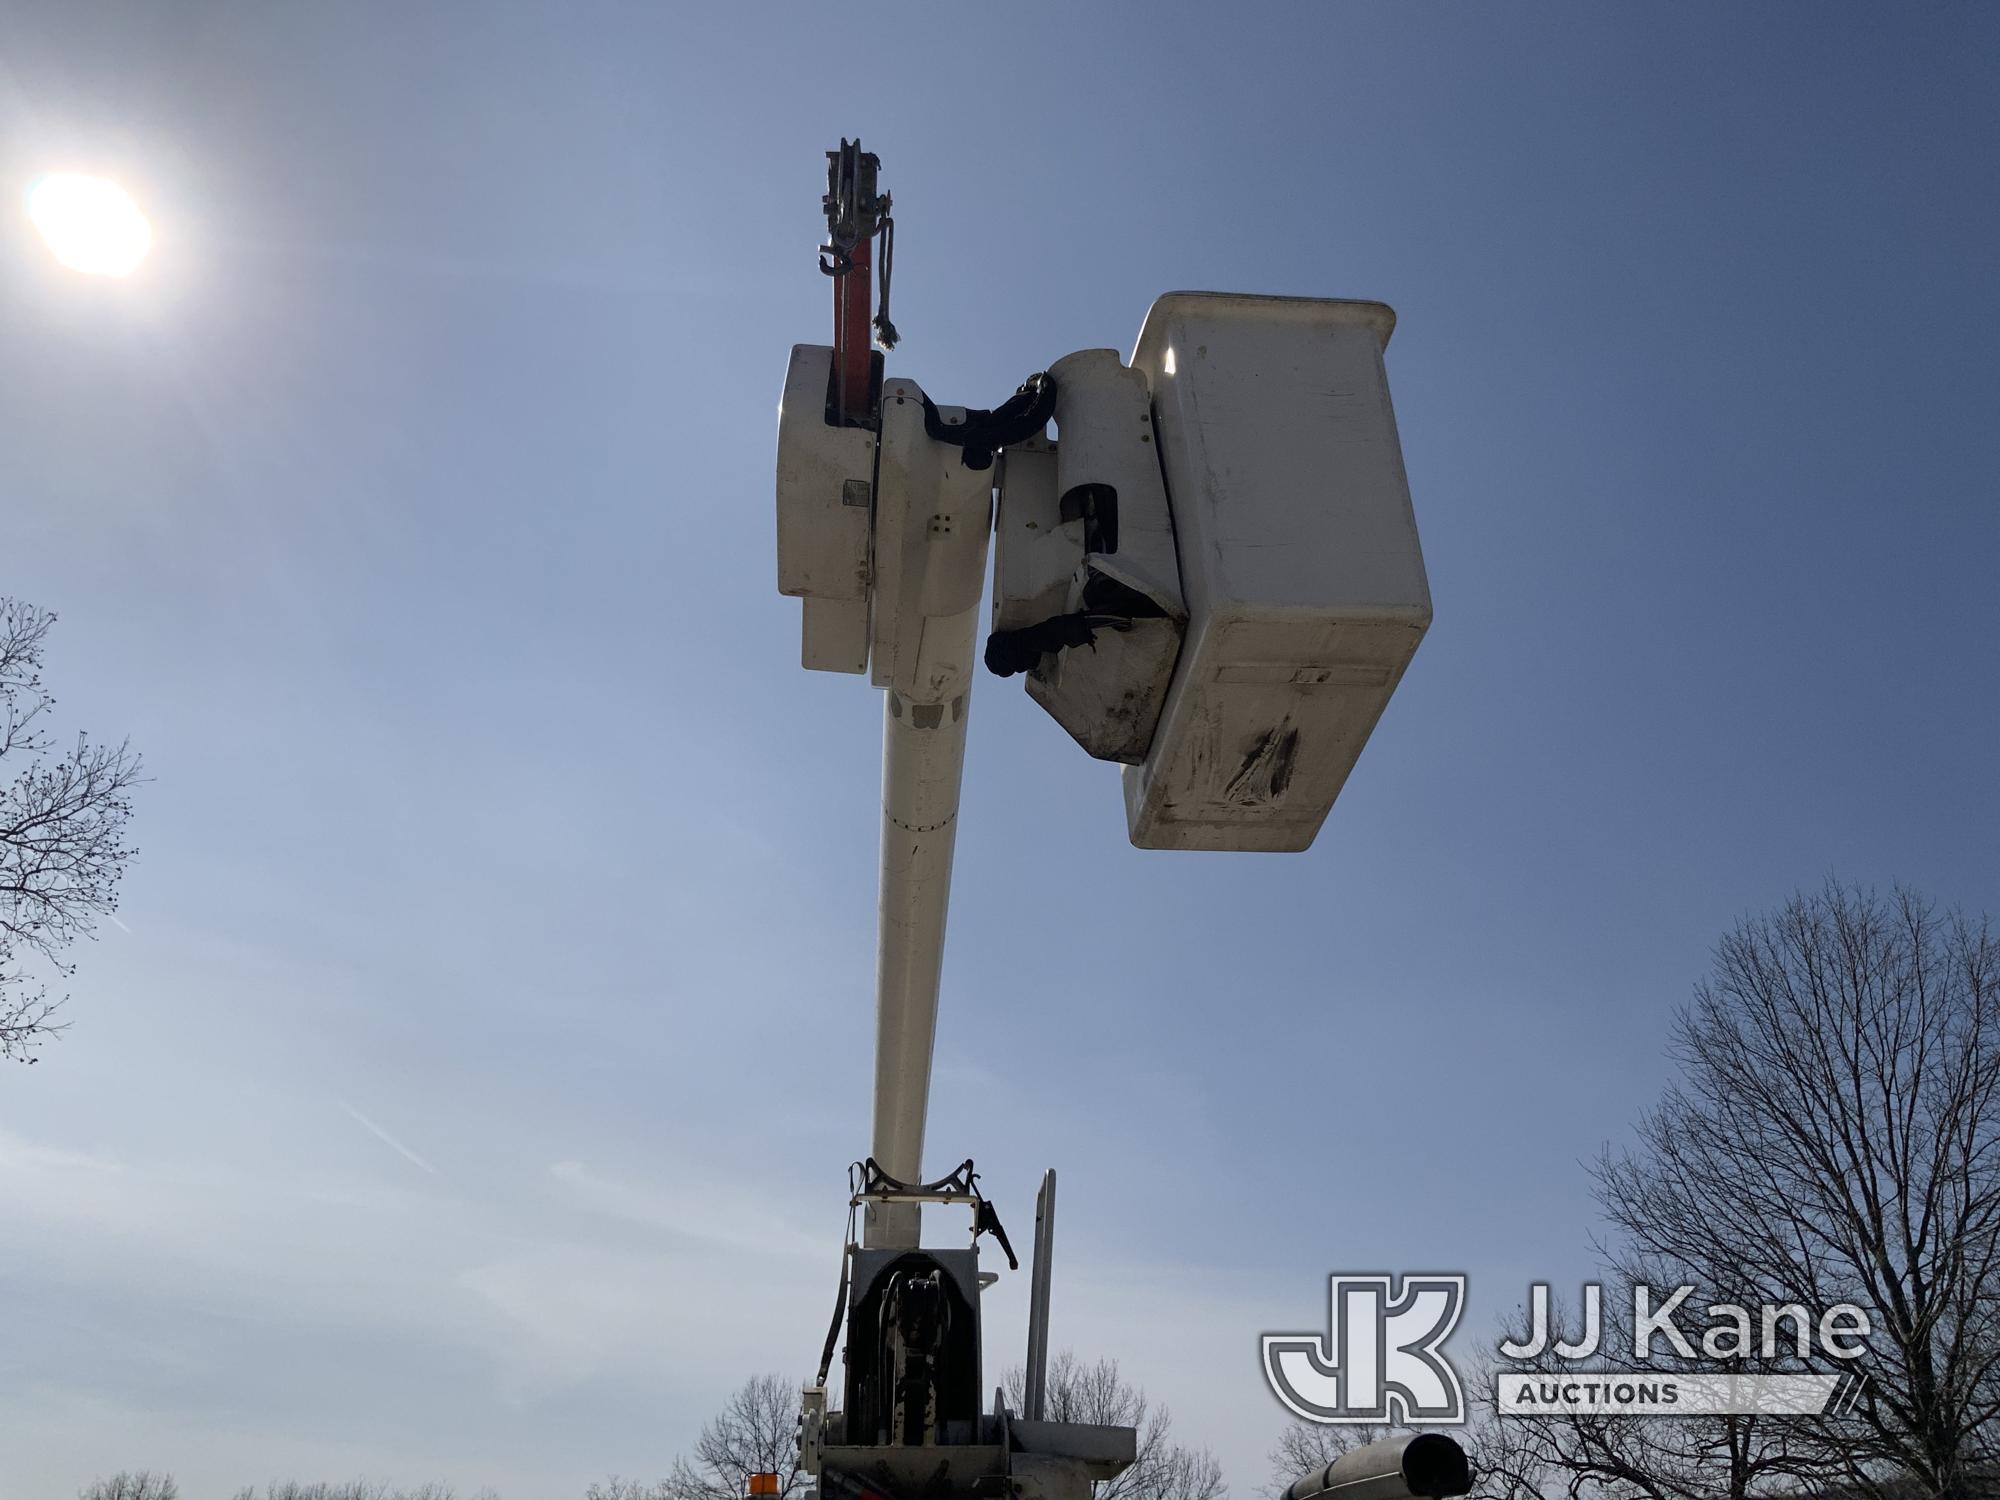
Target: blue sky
{"points": [[470, 1093]]}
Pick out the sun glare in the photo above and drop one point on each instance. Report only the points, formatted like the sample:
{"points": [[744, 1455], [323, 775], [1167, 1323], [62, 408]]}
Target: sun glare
{"points": [[91, 225]]}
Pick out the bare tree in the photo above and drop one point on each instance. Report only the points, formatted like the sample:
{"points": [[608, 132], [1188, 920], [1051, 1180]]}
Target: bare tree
{"points": [[1098, 1393], [1635, 1457], [62, 836], [1835, 1137], [1505, 1461], [139, 1484], [354, 1489], [757, 1433]]}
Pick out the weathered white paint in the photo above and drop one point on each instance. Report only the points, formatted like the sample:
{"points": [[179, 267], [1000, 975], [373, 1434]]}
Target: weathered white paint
{"points": [[1109, 694], [1299, 562], [825, 483]]}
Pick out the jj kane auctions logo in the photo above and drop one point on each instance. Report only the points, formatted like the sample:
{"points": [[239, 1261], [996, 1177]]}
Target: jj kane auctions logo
{"points": [[1382, 1357]]}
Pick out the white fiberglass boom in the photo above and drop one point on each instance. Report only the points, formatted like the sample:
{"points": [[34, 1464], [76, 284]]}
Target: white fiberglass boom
{"points": [[932, 520], [910, 560], [921, 774]]}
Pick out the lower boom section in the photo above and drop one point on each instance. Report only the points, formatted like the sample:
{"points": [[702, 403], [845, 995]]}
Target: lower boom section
{"points": [[923, 762]]}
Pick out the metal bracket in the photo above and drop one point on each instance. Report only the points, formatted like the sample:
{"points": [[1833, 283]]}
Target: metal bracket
{"points": [[961, 1185]]}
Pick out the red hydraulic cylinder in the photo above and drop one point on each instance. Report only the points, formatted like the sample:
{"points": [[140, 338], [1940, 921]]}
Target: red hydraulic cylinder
{"points": [[852, 354]]}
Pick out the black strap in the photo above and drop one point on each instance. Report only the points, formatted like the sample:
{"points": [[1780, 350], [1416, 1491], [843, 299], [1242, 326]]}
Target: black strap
{"points": [[1107, 605], [1011, 651], [984, 433]]}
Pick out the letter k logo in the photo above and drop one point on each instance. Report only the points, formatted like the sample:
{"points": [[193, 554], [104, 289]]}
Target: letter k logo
{"points": [[1381, 1362]]}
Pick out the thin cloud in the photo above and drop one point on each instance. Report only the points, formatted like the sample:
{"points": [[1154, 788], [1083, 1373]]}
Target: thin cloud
{"points": [[387, 1139]]}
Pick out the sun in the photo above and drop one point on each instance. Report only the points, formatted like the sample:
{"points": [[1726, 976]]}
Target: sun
{"points": [[91, 225]]}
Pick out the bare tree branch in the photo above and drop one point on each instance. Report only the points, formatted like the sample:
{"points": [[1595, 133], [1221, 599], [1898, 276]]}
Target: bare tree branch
{"points": [[138, 1484], [62, 837], [756, 1433], [1305, 1446], [1097, 1393], [1834, 1137]]}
